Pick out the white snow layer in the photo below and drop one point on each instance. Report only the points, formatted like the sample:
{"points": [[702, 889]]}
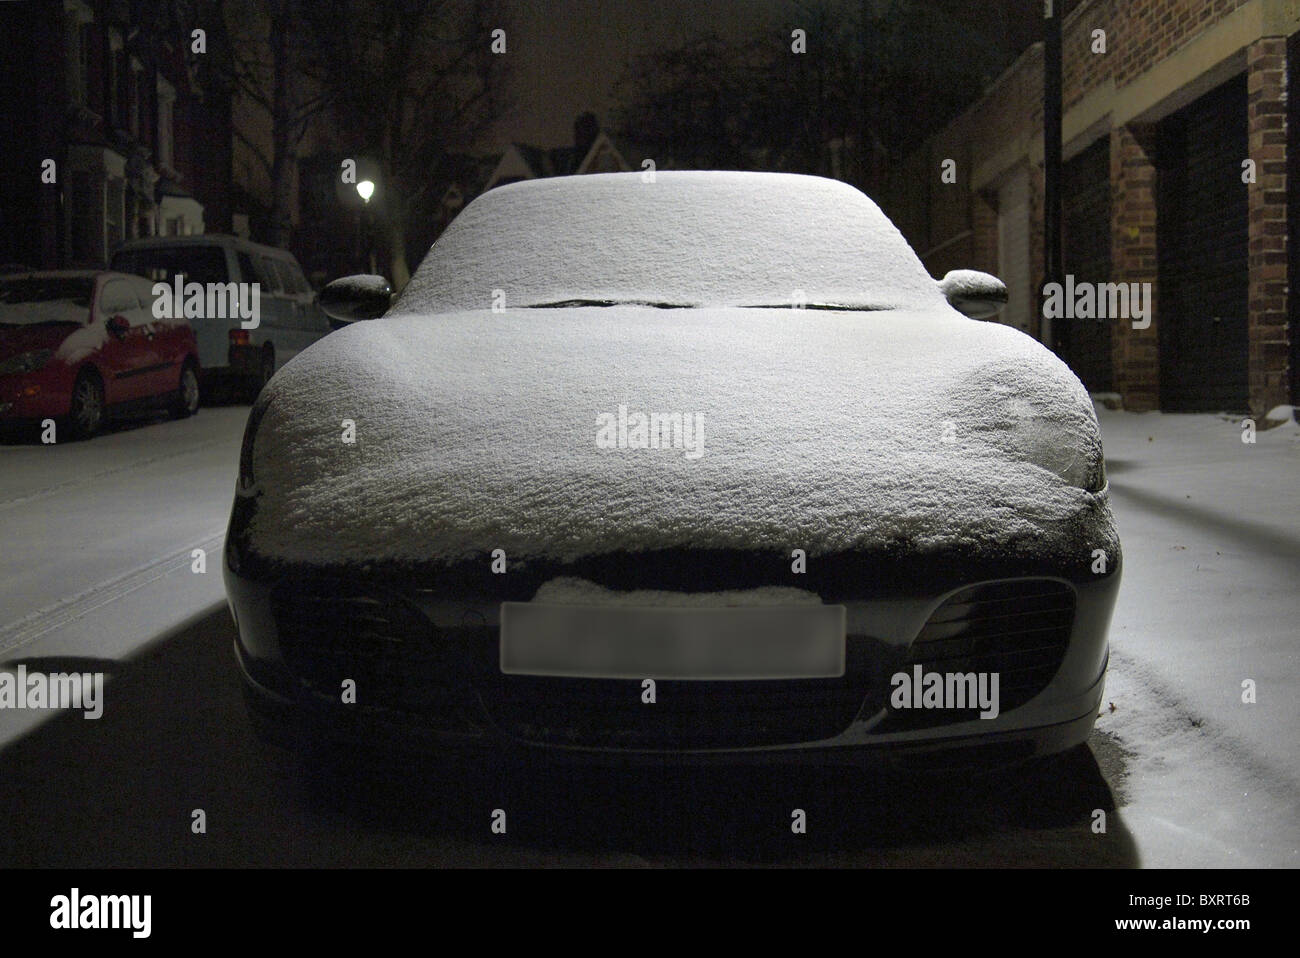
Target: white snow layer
{"points": [[910, 427], [688, 238], [568, 590], [822, 430], [49, 311]]}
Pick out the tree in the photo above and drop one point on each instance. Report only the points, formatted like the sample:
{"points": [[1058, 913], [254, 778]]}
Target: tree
{"points": [[876, 77], [409, 82], [278, 76]]}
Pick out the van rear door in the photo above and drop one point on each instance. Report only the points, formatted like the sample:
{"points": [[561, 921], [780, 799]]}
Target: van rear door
{"points": [[197, 263]]}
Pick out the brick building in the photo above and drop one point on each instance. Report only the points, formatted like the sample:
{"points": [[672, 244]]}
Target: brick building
{"points": [[136, 127], [1164, 102]]}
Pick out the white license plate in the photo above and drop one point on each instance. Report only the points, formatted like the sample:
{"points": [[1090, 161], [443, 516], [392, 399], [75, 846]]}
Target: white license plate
{"points": [[621, 642]]}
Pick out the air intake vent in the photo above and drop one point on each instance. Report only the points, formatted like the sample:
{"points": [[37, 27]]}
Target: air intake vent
{"points": [[385, 645], [1018, 629]]}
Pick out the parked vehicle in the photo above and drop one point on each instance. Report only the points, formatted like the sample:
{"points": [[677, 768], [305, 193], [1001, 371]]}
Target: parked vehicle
{"points": [[289, 319], [722, 434], [82, 346]]}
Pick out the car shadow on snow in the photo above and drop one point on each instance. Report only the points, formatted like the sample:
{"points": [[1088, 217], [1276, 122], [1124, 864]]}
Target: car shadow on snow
{"points": [[173, 742], [1215, 517], [1035, 815]]}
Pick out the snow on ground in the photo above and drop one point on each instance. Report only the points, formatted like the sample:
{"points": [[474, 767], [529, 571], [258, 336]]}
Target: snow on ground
{"points": [[1211, 539], [98, 539]]}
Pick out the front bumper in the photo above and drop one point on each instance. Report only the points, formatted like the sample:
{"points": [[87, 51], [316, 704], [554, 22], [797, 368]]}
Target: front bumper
{"points": [[34, 396], [470, 708]]}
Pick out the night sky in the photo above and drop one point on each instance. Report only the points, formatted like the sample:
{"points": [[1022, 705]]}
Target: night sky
{"points": [[568, 54]]}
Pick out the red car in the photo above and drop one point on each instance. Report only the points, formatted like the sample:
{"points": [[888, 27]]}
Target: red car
{"points": [[81, 346]]}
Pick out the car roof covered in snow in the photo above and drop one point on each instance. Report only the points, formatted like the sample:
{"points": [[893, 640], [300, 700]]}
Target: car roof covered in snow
{"points": [[698, 238], [63, 274]]}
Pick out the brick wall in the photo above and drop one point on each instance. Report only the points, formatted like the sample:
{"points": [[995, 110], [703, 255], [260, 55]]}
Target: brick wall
{"points": [[1150, 30], [1269, 376], [1006, 124], [1134, 352]]}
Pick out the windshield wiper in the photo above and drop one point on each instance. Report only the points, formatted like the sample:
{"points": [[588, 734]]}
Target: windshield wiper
{"points": [[833, 306], [560, 303]]}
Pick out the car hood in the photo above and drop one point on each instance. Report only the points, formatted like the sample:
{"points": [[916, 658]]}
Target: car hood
{"points": [[822, 430], [15, 340]]}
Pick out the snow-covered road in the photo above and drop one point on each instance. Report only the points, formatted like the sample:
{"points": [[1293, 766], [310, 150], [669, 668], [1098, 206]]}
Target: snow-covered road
{"points": [[99, 537], [97, 564], [1210, 527]]}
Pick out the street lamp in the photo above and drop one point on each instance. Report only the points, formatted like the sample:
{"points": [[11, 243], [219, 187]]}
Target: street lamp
{"points": [[366, 189]]}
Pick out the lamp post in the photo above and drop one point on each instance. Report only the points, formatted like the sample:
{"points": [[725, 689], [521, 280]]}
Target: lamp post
{"points": [[1053, 265], [366, 189]]}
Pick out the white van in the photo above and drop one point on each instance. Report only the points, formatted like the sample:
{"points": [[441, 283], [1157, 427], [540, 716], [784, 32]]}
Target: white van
{"points": [[290, 319]]}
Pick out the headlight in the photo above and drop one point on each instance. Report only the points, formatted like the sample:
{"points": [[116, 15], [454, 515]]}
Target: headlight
{"points": [[1070, 449], [1097, 476], [26, 362]]}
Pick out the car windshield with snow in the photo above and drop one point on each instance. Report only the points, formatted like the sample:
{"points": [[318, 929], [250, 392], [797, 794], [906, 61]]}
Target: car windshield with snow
{"points": [[706, 465]]}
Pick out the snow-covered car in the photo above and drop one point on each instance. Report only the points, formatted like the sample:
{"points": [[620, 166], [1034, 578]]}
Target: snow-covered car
{"points": [[707, 466], [236, 346], [83, 346]]}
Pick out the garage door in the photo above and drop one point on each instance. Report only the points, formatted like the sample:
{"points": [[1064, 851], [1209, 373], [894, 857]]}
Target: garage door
{"points": [[1085, 189], [1201, 225], [1013, 249]]}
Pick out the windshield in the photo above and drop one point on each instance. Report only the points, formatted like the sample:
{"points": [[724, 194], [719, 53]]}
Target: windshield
{"points": [[35, 300], [685, 239], [198, 264]]}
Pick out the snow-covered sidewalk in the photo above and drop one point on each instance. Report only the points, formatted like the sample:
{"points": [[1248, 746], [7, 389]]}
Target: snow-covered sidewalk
{"points": [[1211, 537], [99, 539]]}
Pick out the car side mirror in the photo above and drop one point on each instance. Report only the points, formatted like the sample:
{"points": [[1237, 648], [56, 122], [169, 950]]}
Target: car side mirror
{"points": [[974, 294], [352, 298], [118, 325]]}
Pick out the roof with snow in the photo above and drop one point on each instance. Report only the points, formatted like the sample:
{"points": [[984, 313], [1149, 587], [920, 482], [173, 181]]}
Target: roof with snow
{"points": [[681, 239]]}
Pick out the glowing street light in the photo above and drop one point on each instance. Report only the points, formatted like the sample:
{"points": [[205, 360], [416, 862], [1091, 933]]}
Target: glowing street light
{"points": [[366, 189]]}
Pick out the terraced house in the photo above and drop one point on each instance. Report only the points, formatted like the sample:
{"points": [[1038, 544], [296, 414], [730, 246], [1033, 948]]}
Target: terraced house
{"points": [[116, 129], [1178, 145]]}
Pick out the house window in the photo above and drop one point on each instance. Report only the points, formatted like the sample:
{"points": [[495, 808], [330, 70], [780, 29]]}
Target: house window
{"points": [[166, 102], [116, 92], [84, 210], [78, 43], [114, 212], [135, 97]]}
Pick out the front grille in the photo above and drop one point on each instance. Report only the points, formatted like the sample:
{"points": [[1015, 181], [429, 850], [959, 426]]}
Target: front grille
{"points": [[406, 667], [400, 664], [599, 713], [448, 678], [1019, 629]]}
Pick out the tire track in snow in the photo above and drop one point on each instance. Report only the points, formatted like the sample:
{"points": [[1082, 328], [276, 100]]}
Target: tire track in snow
{"points": [[1170, 744], [67, 610], [94, 476]]}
